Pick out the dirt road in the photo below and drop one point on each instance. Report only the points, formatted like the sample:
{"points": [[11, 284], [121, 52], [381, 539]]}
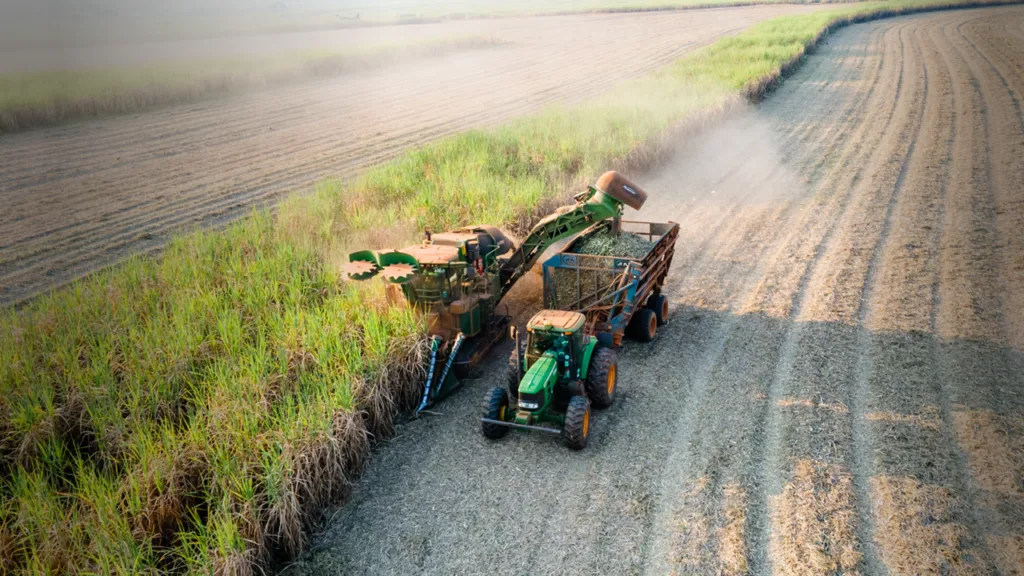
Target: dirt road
{"points": [[87, 194], [841, 388]]}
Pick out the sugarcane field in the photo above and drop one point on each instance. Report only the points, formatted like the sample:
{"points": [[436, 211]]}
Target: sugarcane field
{"points": [[637, 287]]}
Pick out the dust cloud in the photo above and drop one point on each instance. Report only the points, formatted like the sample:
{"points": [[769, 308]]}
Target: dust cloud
{"points": [[739, 161]]}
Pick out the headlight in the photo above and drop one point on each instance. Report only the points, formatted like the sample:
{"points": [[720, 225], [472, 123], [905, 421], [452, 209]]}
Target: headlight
{"points": [[532, 401]]}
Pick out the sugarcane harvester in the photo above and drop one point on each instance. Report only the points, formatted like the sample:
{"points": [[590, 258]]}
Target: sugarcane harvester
{"points": [[458, 278]]}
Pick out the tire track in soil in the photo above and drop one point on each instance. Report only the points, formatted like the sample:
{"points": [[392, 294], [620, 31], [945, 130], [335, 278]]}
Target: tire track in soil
{"points": [[812, 404], [913, 452], [736, 378], [877, 550], [987, 398], [968, 272], [1009, 179], [771, 345], [85, 194], [740, 443], [730, 270]]}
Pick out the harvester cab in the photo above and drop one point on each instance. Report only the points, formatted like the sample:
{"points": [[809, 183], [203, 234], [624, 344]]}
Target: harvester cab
{"points": [[555, 377], [458, 278]]}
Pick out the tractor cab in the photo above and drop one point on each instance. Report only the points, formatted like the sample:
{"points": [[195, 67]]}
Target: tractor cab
{"points": [[560, 332]]}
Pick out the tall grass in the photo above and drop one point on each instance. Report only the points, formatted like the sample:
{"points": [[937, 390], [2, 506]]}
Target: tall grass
{"points": [[194, 410], [33, 99], [197, 411]]}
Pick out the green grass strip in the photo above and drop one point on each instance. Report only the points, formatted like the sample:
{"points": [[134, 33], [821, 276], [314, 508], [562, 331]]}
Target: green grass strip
{"points": [[200, 408]]}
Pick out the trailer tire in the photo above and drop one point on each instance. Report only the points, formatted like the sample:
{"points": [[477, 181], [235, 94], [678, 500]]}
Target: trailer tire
{"points": [[513, 370], [659, 304], [644, 325], [577, 423], [495, 406], [602, 378]]}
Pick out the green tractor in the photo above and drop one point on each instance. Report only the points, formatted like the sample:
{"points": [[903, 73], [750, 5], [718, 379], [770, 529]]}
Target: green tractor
{"points": [[555, 377]]}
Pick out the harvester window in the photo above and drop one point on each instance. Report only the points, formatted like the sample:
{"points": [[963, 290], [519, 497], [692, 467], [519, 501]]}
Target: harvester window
{"points": [[454, 287], [429, 287]]}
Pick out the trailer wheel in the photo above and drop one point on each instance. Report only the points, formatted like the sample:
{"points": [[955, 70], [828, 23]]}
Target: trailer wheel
{"points": [[659, 304], [644, 325], [602, 378], [495, 406], [577, 423], [513, 370]]}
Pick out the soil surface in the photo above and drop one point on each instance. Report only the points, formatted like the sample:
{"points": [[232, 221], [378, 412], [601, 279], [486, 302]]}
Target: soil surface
{"points": [[83, 195], [70, 51], [841, 386]]}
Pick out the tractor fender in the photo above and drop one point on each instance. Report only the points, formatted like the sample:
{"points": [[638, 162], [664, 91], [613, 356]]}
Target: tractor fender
{"points": [[588, 351]]}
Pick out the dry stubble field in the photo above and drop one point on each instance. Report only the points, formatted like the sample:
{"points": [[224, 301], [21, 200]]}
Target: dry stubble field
{"points": [[841, 389], [86, 194]]}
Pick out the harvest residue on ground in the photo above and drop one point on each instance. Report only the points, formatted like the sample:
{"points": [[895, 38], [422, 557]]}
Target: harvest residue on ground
{"points": [[39, 98]]}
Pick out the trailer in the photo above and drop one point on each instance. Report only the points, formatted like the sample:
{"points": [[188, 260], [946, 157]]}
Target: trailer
{"points": [[619, 295]]}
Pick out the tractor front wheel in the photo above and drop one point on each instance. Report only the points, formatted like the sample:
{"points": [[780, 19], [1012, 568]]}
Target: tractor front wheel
{"points": [[577, 423], [495, 407], [644, 325], [602, 378]]}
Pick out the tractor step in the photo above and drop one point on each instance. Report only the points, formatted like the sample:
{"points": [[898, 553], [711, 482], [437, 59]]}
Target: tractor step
{"points": [[521, 426]]}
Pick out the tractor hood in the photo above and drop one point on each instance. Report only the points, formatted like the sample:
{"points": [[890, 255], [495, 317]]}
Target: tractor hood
{"points": [[536, 379]]}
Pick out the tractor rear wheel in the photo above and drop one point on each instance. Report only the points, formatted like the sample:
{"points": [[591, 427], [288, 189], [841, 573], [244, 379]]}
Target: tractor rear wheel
{"points": [[495, 407], [577, 423], [513, 370], [602, 378], [644, 325], [659, 304]]}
